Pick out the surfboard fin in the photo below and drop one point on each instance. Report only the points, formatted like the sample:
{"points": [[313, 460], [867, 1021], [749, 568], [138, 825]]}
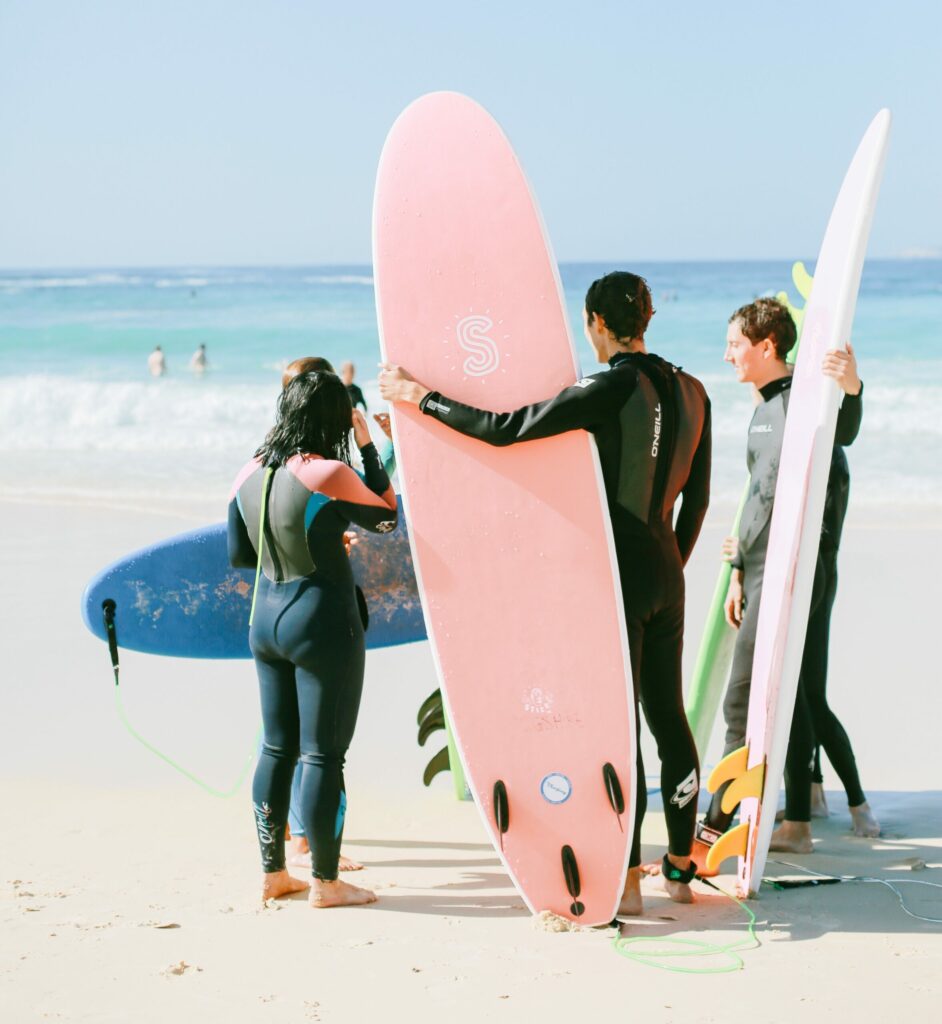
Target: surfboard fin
{"points": [[431, 703], [613, 788], [573, 882], [732, 766], [748, 784], [803, 282], [501, 810], [439, 763], [431, 722], [730, 844]]}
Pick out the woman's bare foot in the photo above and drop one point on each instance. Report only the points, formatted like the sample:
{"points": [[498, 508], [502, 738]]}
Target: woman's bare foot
{"points": [[631, 903], [865, 824], [280, 883], [792, 837], [300, 856], [679, 892], [338, 894], [819, 804]]}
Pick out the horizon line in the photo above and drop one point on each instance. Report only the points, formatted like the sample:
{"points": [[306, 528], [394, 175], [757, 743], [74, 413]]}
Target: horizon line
{"points": [[930, 257]]}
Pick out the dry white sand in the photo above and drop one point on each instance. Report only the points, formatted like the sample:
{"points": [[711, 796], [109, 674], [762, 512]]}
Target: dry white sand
{"points": [[130, 895]]}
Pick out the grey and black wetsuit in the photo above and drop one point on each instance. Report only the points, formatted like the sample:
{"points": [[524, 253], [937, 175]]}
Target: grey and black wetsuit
{"points": [[812, 715], [306, 636], [651, 423]]}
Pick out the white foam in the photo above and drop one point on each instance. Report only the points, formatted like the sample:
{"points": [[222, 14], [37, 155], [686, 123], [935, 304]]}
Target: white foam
{"points": [[180, 436], [18, 284], [61, 414], [185, 282], [340, 279]]}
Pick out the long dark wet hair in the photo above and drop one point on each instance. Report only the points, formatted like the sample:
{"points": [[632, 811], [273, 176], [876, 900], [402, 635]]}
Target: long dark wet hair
{"points": [[314, 418]]}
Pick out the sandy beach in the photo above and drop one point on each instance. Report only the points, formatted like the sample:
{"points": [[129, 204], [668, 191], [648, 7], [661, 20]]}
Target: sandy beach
{"points": [[130, 894]]}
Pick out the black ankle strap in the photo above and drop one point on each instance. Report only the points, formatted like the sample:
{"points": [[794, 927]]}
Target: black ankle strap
{"points": [[675, 874]]}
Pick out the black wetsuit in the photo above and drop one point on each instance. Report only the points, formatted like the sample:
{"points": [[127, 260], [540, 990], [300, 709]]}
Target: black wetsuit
{"points": [[828, 731], [306, 636], [812, 715], [651, 423], [356, 396]]}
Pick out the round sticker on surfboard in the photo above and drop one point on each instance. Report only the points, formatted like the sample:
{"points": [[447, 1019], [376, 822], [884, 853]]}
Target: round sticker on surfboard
{"points": [[555, 788]]}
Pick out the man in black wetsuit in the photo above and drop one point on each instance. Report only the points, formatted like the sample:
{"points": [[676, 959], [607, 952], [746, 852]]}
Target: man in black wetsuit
{"points": [[651, 423], [759, 338], [347, 371]]}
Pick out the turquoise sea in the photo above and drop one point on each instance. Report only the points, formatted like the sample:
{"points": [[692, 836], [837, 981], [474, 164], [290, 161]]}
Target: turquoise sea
{"points": [[80, 418]]}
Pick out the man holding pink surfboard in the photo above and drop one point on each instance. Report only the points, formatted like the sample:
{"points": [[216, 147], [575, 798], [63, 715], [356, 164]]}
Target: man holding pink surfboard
{"points": [[651, 422]]}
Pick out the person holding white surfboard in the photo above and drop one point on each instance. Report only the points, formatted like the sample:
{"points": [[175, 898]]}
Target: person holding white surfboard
{"points": [[651, 422], [760, 336]]}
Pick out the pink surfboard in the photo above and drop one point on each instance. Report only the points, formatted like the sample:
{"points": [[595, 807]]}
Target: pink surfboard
{"points": [[512, 546], [795, 527]]}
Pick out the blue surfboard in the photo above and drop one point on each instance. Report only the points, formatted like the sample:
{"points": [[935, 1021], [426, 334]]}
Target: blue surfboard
{"points": [[180, 598]]}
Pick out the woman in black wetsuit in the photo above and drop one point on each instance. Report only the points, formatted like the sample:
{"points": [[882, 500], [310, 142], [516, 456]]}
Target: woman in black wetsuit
{"points": [[299, 494], [651, 422]]}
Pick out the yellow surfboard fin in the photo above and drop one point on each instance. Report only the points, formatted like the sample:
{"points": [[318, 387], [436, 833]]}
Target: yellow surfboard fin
{"points": [[729, 768], [747, 784], [730, 844], [803, 280]]}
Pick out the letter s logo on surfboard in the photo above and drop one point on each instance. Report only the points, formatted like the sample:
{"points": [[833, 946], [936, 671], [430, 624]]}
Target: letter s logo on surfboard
{"points": [[472, 333]]}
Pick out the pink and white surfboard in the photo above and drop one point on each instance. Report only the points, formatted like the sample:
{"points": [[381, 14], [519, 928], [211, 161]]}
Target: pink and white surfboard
{"points": [[512, 546], [795, 528]]}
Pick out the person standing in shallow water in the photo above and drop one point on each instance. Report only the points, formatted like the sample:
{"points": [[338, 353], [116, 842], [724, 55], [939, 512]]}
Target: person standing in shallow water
{"points": [[289, 509], [624, 407], [198, 361], [156, 362]]}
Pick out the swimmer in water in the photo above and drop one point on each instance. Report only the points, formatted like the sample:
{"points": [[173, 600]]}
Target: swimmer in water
{"points": [[157, 363]]}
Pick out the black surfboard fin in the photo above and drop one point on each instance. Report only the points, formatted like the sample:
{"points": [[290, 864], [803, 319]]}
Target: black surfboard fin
{"points": [[613, 787], [431, 722], [432, 701], [439, 763], [501, 810], [573, 882]]}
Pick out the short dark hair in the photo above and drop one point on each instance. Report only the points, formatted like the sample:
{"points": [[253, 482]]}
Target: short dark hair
{"points": [[623, 301], [767, 318]]}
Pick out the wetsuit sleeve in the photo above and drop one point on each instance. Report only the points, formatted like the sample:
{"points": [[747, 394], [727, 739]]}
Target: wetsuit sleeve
{"points": [[357, 503], [848, 418], [242, 553], [696, 492], [582, 406], [374, 472]]}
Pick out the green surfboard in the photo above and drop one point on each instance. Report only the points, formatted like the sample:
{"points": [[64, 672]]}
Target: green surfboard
{"points": [[711, 671], [431, 718]]}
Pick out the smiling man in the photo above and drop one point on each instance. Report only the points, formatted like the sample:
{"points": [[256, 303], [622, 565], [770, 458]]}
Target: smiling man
{"points": [[758, 340]]}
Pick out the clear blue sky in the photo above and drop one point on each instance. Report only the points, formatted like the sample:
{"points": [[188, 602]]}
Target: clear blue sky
{"points": [[165, 132]]}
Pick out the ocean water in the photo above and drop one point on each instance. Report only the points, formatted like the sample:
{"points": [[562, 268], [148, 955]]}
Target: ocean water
{"points": [[81, 419]]}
